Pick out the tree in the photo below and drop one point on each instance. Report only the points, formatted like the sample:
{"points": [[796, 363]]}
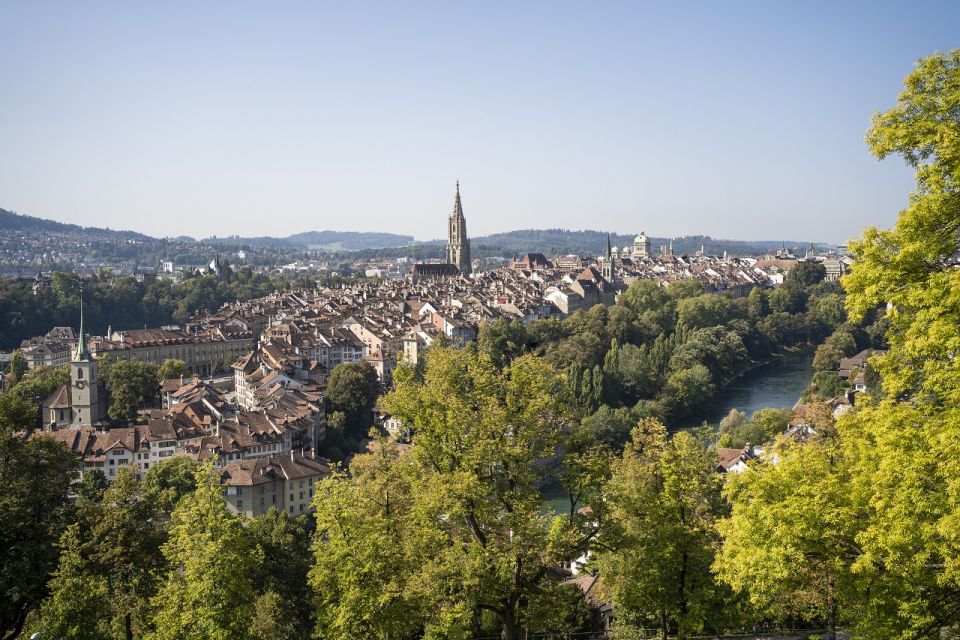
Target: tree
{"points": [[483, 542], [78, 598], [503, 340], [688, 388], [790, 541], [172, 369], [35, 475], [363, 565], [789, 297], [133, 385], [757, 305], [353, 388], [807, 273], [18, 365], [208, 592], [167, 481], [282, 545], [707, 310], [839, 345], [664, 498]]}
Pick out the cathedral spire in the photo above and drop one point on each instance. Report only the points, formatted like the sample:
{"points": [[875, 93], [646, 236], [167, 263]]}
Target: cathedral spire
{"points": [[609, 249], [457, 206], [83, 353]]}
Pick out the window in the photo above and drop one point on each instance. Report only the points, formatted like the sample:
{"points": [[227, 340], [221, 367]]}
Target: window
{"points": [[274, 498], [146, 465], [291, 508], [301, 484], [239, 491], [239, 504], [79, 373], [301, 495], [291, 497], [301, 506]]}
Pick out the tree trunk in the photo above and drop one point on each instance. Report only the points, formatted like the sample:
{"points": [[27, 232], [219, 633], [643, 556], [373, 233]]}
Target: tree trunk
{"points": [[831, 611], [128, 625], [663, 625], [510, 631]]}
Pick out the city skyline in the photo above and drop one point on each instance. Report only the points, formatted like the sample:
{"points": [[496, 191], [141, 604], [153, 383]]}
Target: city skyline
{"points": [[229, 119]]}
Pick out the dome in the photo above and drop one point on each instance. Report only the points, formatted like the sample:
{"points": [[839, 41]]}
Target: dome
{"points": [[640, 239]]}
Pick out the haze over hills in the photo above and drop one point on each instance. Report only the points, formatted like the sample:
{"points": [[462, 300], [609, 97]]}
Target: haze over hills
{"points": [[506, 244]]}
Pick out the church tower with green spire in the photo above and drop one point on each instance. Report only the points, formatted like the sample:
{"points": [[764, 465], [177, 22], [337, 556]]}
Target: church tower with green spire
{"points": [[84, 384]]}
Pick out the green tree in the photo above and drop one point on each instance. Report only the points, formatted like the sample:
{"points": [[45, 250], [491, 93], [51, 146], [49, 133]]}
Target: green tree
{"points": [[208, 593], [172, 369], [282, 544], [35, 475], [133, 385], [503, 340], [483, 541], [807, 273], [688, 388], [363, 564], [75, 608], [664, 498], [18, 365], [707, 310], [790, 541], [353, 388], [757, 305], [167, 481]]}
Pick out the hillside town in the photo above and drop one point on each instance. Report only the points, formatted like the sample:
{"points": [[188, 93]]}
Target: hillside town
{"points": [[254, 399]]}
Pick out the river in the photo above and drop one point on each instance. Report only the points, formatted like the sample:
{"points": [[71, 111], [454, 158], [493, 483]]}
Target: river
{"points": [[775, 384]]}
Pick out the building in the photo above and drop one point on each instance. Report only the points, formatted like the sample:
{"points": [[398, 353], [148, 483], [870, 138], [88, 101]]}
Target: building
{"points": [[641, 247], [458, 245], [284, 482], [203, 352], [84, 400]]}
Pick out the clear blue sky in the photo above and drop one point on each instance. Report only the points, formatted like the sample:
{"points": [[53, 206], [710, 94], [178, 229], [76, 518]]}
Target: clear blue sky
{"points": [[733, 119]]}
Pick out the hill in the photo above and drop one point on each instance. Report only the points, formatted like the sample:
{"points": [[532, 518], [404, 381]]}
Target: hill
{"points": [[13, 222]]}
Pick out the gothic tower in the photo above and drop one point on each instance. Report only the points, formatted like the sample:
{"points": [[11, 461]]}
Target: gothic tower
{"points": [[83, 379], [608, 263], [458, 245]]}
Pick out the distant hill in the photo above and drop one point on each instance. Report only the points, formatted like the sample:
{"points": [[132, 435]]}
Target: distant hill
{"points": [[323, 240], [591, 243], [10, 222]]}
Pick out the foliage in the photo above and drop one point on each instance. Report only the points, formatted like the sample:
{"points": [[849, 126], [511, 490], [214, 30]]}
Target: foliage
{"points": [[132, 385], [172, 369], [352, 389], [18, 365], [790, 541], [475, 533], [664, 499], [35, 475], [209, 595]]}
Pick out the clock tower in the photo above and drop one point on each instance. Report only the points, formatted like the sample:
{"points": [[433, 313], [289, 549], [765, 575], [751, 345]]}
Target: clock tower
{"points": [[84, 383]]}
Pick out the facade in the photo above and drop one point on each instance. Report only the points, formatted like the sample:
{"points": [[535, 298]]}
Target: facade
{"points": [[458, 245], [641, 246], [203, 353], [283, 482]]}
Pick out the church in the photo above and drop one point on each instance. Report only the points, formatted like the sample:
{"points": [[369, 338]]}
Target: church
{"points": [[458, 249], [82, 402]]}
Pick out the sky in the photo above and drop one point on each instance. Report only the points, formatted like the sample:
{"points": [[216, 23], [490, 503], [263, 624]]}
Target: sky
{"points": [[741, 120]]}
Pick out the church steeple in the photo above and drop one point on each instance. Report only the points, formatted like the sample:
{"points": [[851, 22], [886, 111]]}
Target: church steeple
{"points": [[83, 352], [458, 245]]}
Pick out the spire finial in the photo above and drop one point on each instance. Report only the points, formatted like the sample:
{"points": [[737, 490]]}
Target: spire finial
{"points": [[83, 353]]}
